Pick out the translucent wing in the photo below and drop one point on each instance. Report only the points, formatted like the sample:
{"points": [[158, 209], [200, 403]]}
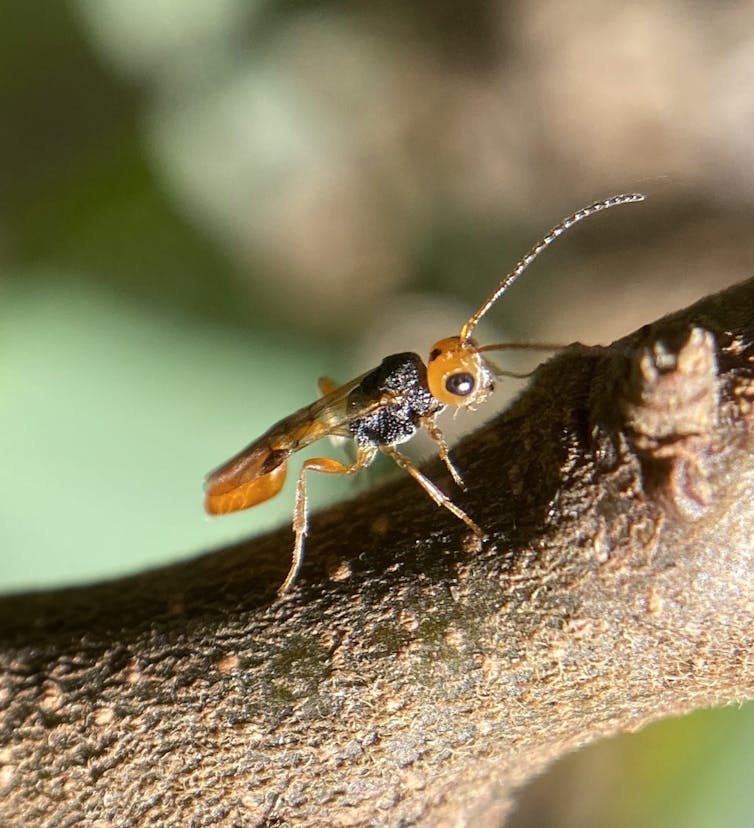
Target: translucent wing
{"points": [[257, 472]]}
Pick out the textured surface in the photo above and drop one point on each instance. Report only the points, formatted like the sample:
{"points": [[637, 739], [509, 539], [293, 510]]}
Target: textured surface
{"points": [[415, 676]]}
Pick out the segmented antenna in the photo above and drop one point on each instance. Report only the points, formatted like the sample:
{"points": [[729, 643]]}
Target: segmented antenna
{"points": [[559, 229]]}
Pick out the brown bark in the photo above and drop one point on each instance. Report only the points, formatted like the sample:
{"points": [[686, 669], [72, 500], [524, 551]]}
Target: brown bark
{"points": [[414, 676]]}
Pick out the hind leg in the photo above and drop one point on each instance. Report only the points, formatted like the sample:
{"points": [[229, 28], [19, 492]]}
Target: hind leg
{"points": [[326, 465]]}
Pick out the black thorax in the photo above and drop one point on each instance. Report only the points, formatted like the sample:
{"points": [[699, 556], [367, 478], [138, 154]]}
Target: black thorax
{"points": [[399, 383]]}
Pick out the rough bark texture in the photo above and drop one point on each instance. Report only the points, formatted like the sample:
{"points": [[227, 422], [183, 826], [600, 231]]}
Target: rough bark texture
{"points": [[415, 676]]}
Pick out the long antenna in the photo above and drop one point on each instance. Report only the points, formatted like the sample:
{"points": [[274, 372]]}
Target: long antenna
{"points": [[559, 229]]}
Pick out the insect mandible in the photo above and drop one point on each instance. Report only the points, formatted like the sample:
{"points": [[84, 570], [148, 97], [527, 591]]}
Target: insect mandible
{"points": [[379, 410]]}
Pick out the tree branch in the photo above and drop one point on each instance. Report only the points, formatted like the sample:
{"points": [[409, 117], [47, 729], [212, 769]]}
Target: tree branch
{"points": [[414, 675]]}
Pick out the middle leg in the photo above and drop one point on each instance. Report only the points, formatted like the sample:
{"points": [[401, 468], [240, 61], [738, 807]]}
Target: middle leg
{"points": [[440, 498]]}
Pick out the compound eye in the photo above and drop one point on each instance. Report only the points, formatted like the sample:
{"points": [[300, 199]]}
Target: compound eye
{"points": [[460, 384]]}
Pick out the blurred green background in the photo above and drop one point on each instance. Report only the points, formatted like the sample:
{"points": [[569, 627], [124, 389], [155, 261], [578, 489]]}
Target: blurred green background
{"points": [[207, 204]]}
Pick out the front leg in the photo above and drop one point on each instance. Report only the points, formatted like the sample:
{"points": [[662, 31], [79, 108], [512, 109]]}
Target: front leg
{"points": [[436, 434]]}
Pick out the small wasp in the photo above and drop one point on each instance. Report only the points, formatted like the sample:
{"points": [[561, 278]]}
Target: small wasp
{"points": [[379, 410]]}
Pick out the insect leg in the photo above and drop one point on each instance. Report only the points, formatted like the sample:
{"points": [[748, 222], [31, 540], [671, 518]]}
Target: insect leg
{"points": [[326, 386], [436, 434], [429, 487], [327, 465]]}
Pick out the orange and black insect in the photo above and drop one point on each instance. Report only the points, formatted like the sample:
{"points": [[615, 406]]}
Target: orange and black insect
{"points": [[379, 410]]}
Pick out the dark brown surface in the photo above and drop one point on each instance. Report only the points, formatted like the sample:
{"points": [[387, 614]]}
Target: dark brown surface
{"points": [[413, 676]]}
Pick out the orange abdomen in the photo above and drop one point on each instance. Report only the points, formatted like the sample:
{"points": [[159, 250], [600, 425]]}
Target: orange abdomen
{"points": [[222, 496]]}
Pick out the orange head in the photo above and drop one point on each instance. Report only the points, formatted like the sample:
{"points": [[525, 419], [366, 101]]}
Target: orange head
{"points": [[457, 373]]}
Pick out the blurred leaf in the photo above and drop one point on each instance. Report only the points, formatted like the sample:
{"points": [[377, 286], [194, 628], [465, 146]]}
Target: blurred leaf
{"points": [[110, 417]]}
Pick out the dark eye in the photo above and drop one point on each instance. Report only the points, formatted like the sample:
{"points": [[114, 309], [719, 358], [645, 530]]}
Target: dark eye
{"points": [[460, 384]]}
